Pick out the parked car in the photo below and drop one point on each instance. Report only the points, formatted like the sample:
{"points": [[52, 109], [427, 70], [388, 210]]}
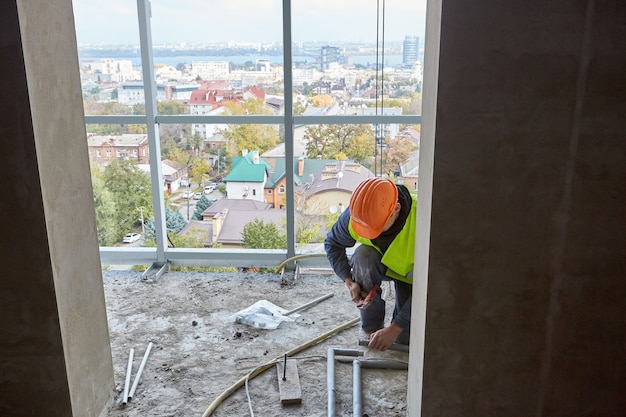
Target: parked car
{"points": [[208, 189], [131, 237], [197, 196], [188, 194]]}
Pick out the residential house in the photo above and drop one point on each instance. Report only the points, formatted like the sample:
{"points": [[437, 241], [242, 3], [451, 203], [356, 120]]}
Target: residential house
{"points": [[228, 217], [209, 99], [411, 134], [106, 148], [408, 173], [329, 189], [173, 174], [247, 176]]}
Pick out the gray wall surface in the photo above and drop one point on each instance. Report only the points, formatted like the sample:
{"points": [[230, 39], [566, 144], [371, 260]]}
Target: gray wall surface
{"points": [[526, 288]]}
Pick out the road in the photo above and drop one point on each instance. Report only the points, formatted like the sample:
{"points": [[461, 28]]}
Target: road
{"points": [[181, 203]]}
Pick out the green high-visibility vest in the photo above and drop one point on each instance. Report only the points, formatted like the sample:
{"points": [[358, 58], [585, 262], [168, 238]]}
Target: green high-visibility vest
{"points": [[399, 256]]}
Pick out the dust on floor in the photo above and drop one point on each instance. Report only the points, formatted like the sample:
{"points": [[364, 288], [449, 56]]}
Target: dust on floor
{"points": [[199, 351]]}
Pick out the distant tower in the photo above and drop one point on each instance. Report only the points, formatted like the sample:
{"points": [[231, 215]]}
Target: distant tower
{"points": [[410, 50], [330, 54]]}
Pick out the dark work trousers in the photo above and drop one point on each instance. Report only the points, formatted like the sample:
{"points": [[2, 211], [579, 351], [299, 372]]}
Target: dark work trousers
{"points": [[367, 271]]}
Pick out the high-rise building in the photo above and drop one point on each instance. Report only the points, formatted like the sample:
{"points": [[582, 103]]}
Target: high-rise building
{"points": [[330, 54], [410, 50]]}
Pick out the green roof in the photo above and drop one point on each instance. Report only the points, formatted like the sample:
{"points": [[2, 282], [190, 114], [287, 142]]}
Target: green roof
{"points": [[245, 170]]}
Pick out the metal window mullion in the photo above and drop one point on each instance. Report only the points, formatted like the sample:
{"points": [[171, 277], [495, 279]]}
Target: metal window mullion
{"points": [[149, 86], [320, 120], [209, 119], [288, 126], [260, 119]]}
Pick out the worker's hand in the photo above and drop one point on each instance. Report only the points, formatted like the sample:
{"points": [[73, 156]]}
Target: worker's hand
{"points": [[384, 338], [355, 290]]}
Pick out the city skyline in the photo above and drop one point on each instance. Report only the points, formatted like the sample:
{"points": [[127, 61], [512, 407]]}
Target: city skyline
{"points": [[198, 21]]}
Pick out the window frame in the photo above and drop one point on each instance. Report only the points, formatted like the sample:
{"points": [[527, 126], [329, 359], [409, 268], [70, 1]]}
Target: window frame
{"points": [[164, 255]]}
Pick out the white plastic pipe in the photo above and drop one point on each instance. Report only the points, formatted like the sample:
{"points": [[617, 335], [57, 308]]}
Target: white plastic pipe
{"points": [[356, 389], [143, 363], [129, 369], [357, 408], [310, 303], [330, 374]]}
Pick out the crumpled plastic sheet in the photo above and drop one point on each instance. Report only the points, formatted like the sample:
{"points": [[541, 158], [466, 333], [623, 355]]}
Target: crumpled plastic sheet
{"points": [[263, 315]]}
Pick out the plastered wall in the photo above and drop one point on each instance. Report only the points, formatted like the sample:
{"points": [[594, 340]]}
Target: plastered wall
{"points": [[55, 353], [526, 252]]}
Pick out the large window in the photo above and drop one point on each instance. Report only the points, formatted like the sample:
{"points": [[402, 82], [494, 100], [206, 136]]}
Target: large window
{"points": [[236, 136]]}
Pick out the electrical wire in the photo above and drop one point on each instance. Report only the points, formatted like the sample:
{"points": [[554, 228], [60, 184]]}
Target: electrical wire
{"points": [[254, 370], [266, 366]]}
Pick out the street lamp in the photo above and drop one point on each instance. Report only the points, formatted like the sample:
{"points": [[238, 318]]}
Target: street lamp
{"points": [[188, 197]]}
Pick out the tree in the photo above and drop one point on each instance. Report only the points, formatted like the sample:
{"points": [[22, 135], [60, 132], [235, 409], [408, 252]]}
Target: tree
{"points": [[170, 150], [395, 153], [249, 136], [174, 222], [201, 205], [195, 142], [105, 210], [223, 160], [323, 100], [360, 147], [330, 141], [260, 235], [309, 233], [130, 189], [198, 167]]}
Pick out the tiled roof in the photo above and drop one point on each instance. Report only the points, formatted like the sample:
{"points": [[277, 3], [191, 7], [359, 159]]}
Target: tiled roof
{"points": [[235, 221], [236, 204], [346, 176], [176, 165], [411, 167]]}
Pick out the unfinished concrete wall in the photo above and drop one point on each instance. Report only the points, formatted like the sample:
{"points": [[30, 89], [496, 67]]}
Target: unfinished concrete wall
{"points": [[55, 353], [526, 285]]}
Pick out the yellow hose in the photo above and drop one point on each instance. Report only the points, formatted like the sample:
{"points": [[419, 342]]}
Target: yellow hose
{"points": [[269, 364], [295, 258]]}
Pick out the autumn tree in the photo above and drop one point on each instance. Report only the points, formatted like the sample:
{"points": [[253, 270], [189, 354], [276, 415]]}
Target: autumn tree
{"points": [[197, 168], [249, 136], [337, 141], [395, 153], [323, 100]]}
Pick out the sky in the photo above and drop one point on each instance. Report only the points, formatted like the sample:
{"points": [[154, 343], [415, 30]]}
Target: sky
{"points": [[114, 22]]}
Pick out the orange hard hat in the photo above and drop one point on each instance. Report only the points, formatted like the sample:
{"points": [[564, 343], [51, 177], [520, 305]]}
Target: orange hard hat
{"points": [[371, 205]]}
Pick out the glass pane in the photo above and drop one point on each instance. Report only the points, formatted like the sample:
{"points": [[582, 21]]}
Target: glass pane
{"points": [[230, 191], [333, 160], [367, 59], [108, 50], [120, 174], [216, 53]]}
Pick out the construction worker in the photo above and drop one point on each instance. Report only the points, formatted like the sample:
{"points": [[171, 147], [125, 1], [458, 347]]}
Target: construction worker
{"points": [[381, 217]]}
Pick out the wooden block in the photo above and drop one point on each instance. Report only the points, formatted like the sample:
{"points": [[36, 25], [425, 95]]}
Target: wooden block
{"points": [[290, 392]]}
